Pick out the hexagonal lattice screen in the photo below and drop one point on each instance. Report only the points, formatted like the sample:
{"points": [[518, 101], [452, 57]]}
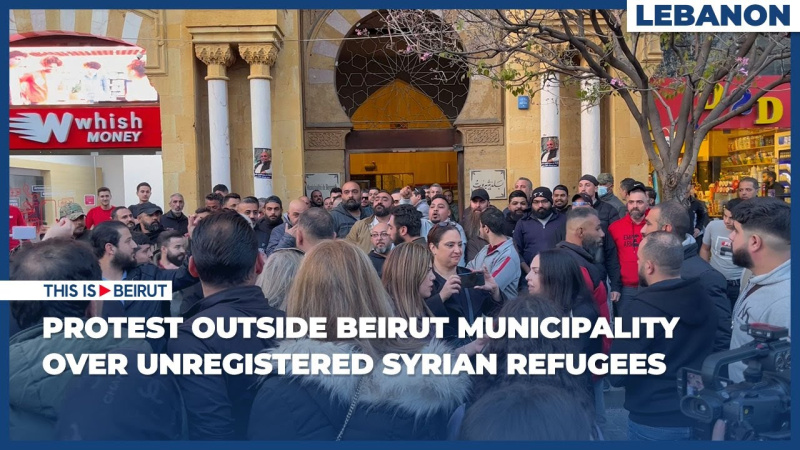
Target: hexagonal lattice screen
{"points": [[370, 61]]}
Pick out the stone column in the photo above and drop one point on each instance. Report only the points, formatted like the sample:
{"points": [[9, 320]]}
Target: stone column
{"points": [[261, 57], [590, 129], [551, 130], [218, 57]]}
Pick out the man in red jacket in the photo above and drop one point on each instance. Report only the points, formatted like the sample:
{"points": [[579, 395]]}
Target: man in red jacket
{"points": [[627, 234]]}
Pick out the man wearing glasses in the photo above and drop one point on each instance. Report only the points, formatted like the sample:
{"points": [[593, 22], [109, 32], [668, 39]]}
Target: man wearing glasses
{"points": [[381, 244]]}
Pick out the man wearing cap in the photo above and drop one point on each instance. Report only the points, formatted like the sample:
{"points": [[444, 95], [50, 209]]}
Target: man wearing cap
{"points": [[149, 216], [540, 230], [581, 201], [471, 222], [627, 234], [608, 214], [74, 213], [605, 191], [561, 201]]}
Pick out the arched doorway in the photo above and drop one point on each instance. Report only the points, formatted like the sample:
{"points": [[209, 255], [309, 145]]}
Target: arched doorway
{"points": [[402, 107]]}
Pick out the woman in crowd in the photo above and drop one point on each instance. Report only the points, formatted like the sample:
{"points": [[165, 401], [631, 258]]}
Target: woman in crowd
{"points": [[278, 274], [408, 279], [368, 407], [450, 298]]}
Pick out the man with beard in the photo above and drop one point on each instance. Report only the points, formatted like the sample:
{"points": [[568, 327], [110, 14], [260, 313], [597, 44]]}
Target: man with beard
{"points": [[248, 208], [584, 236], [673, 217], [439, 214], [379, 237], [404, 225], [282, 236], [148, 215], [74, 213], [273, 212], [349, 211], [540, 230], [761, 241], [499, 255], [652, 400], [172, 246], [361, 232], [214, 201], [517, 206], [316, 199], [366, 203], [144, 251], [175, 219], [115, 249], [717, 249], [124, 215], [471, 221], [525, 185], [627, 234], [561, 199]]}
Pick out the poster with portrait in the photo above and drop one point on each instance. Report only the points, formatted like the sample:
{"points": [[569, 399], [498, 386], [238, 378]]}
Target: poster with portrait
{"points": [[262, 162], [550, 151]]}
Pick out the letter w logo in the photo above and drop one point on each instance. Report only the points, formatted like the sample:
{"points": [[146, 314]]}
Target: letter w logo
{"points": [[31, 127]]}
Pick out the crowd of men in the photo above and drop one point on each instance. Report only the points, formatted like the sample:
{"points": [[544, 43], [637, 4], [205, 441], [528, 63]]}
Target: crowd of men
{"points": [[635, 256]]}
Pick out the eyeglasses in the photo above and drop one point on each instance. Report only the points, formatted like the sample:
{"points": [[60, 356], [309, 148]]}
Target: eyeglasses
{"points": [[579, 204], [383, 235]]}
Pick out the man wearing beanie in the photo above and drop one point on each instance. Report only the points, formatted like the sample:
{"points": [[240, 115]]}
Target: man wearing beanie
{"points": [[540, 230], [608, 214], [561, 199]]}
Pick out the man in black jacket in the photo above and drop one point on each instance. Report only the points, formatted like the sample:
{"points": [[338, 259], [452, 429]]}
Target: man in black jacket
{"points": [[673, 217], [652, 400], [175, 219], [227, 261]]}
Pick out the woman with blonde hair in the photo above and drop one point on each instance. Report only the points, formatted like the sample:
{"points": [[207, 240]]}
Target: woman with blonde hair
{"points": [[278, 275], [408, 279], [336, 279]]}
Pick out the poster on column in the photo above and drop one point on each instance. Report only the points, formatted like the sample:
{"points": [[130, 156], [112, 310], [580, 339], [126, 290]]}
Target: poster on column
{"points": [[262, 160], [550, 149]]}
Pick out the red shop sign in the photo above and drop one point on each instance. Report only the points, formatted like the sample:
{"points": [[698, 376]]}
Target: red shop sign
{"points": [[34, 128], [771, 110]]}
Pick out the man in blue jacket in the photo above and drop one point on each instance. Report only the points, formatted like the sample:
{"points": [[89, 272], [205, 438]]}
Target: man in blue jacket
{"points": [[540, 230]]}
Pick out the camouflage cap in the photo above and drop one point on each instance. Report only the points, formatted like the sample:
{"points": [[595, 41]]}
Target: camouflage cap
{"points": [[71, 210]]}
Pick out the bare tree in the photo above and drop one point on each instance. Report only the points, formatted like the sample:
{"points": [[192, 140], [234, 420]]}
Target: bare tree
{"points": [[516, 48]]}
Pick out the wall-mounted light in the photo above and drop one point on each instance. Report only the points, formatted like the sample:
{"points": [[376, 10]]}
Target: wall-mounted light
{"points": [[371, 167]]}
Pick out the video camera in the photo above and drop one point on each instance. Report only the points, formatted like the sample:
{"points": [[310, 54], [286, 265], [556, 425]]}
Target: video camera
{"points": [[756, 409]]}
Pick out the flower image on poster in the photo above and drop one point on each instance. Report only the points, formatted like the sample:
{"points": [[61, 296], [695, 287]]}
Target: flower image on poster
{"points": [[262, 159], [550, 147]]}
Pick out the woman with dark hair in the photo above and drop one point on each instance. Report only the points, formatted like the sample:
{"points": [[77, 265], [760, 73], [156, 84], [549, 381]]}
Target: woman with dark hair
{"points": [[451, 297]]}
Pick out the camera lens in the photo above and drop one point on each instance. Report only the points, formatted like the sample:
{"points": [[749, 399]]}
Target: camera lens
{"points": [[697, 408]]}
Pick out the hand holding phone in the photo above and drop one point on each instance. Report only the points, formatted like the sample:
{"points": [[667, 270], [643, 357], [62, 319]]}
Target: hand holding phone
{"points": [[472, 280]]}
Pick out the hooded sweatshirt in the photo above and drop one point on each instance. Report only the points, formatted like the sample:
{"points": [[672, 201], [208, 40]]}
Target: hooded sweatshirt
{"points": [[770, 303], [653, 400], [627, 235], [343, 221]]}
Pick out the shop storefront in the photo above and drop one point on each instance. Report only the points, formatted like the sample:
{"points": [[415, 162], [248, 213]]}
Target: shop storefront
{"points": [[747, 145], [80, 118]]}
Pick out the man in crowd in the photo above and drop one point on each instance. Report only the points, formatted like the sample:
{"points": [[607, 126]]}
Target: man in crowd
{"points": [[671, 216], [761, 242], [769, 178], [249, 209], [627, 235], [360, 234], [349, 212], [396, 197], [448, 195], [101, 212], [517, 206], [172, 247], [605, 191], [175, 219], [608, 214], [221, 190], [316, 199], [584, 236], [748, 188], [471, 221], [561, 199], [272, 218], [718, 251], [651, 196], [366, 203], [373, 192], [306, 200], [327, 203], [419, 201], [525, 185], [436, 189], [499, 256], [74, 213], [149, 216], [143, 191], [540, 230], [279, 238], [231, 201], [225, 257], [439, 214], [144, 249], [624, 187], [336, 193], [313, 226], [124, 215], [404, 225], [214, 201], [381, 245], [653, 401]]}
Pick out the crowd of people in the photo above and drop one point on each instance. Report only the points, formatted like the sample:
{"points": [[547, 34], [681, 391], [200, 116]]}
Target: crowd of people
{"points": [[411, 253]]}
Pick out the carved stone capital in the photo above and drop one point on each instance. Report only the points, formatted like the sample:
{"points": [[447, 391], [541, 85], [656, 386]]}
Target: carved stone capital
{"points": [[325, 139], [215, 54], [486, 135], [259, 53]]}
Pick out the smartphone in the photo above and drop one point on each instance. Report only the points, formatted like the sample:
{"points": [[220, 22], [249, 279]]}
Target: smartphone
{"points": [[23, 233], [470, 280]]}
